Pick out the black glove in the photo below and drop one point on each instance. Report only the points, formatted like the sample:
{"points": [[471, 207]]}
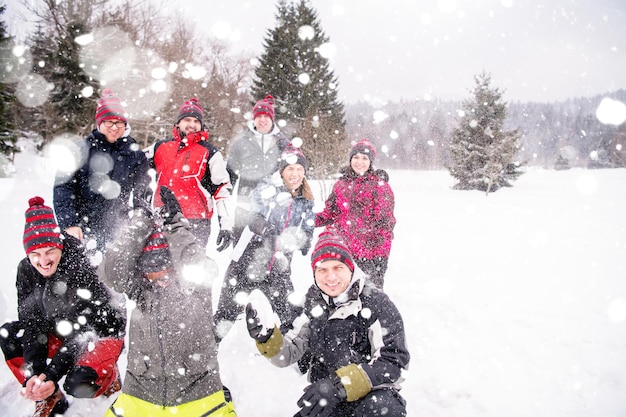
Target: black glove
{"points": [[170, 203], [254, 325], [224, 239], [322, 397], [262, 227]]}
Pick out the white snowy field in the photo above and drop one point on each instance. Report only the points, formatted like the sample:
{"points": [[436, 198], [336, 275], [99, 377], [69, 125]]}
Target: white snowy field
{"points": [[514, 303]]}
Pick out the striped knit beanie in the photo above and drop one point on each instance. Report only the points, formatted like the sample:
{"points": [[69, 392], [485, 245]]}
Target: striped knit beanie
{"points": [[264, 106], [365, 147], [109, 108], [191, 108], [41, 229], [155, 255], [330, 246], [292, 155]]}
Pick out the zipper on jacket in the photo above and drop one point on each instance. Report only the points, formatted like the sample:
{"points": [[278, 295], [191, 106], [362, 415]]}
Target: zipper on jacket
{"points": [[162, 350], [269, 267]]}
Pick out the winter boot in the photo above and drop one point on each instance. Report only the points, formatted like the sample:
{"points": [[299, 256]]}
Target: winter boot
{"points": [[51, 406]]}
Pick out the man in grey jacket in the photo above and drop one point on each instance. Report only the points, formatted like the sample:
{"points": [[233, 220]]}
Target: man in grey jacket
{"points": [[253, 156], [172, 357]]}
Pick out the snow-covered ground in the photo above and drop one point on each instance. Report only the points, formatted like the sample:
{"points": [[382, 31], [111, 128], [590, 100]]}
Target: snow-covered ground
{"points": [[514, 303]]}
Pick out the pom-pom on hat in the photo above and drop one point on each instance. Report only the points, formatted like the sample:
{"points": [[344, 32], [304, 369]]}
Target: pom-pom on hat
{"points": [[109, 108], [41, 229], [264, 106], [292, 155], [155, 255], [365, 147], [191, 108], [330, 246]]}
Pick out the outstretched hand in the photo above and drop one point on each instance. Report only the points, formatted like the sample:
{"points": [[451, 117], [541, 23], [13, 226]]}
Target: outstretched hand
{"points": [[224, 239], [37, 388], [259, 316], [170, 203]]}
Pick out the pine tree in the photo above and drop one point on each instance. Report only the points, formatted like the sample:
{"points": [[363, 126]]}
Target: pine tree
{"points": [[482, 152], [60, 55], [7, 98], [302, 83]]}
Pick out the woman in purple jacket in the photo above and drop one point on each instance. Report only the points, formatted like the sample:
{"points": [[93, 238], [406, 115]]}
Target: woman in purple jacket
{"points": [[360, 207]]}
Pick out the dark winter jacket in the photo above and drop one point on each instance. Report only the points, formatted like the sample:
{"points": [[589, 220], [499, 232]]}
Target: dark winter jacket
{"points": [[361, 209], [195, 171], [172, 354], [291, 217], [364, 329], [71, 299], [97, 196], [247, 159]]}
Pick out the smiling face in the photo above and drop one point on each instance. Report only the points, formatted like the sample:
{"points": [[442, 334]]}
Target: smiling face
{"points": [[45, 260], [293, 175], [263, 123], [189, 124], [360, 163], [332, 277], [112, 129]]}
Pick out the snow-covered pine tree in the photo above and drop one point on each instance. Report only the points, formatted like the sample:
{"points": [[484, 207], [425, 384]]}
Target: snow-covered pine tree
{"points": [[7, 133], [482, 153], [56, 58], [293, 70]]}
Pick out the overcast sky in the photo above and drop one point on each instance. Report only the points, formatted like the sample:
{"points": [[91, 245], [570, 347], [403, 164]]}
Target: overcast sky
{"points": [[535, 50], [386, 50]]}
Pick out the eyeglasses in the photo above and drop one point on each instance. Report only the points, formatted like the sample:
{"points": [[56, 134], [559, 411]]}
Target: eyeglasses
{"points": [[109, 123]]}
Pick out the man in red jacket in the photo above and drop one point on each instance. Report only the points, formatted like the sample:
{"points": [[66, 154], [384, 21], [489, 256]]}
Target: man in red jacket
{"points": [[196, 172]]}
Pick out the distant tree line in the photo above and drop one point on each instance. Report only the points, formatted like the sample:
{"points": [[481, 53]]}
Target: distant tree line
{"points": [[416, 134]]}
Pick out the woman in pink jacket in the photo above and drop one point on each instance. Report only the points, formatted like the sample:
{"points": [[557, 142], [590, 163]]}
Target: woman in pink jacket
{"points": [[360, 207]]}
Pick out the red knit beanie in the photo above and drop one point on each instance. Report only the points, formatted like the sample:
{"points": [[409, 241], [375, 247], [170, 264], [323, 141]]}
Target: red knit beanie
{"points": [[155, 255], [109, 108], [265, 106], [330, 246], [41, 229], [191, 108], [365, 147]]}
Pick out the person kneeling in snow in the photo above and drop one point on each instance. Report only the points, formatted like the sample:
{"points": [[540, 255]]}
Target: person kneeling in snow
{"points": [[354, 332], [172, 357], [65, 314]]}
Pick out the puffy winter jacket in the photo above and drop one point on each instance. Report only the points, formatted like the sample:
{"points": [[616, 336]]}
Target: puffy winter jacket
{"points": [[248, 160], [363, 329], [361, 209], [72, 296], [288, 214], [96, 196], [194, 170], [172, 354]]}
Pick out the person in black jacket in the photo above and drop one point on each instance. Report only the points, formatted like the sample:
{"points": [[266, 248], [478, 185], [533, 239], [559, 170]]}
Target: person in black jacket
{"points": [[93, 201], [281, 223], [69, 323], [353, 331]]}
